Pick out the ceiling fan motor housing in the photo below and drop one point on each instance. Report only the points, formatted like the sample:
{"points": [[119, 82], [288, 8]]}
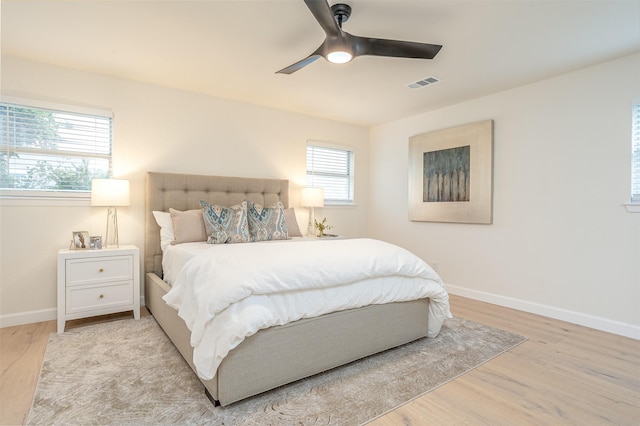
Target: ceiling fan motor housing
{"points": [[341, 12]]}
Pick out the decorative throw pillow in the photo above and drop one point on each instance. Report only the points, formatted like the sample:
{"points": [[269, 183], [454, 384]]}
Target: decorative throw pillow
{"points": [[188, 226], [166, 228], [226, 224], [292, 222], [267, 223]]}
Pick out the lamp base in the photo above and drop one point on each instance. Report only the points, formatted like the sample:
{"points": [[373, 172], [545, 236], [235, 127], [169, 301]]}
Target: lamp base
{"points": [[311, 232], [111, 236]]}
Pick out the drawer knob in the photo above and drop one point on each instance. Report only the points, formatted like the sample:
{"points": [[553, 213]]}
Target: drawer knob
{"points": [[101, 270], [102, 296]]}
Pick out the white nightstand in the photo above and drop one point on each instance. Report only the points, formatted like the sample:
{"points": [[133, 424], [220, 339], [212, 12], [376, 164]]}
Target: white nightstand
{"points": [[326, 237], [98, 282]]}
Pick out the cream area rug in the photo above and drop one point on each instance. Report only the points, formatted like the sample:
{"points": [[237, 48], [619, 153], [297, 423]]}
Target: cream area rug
{"points": [[129, 372]]}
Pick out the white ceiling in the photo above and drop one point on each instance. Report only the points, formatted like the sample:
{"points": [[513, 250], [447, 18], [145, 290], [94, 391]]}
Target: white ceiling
{"points": [[232, 49]]}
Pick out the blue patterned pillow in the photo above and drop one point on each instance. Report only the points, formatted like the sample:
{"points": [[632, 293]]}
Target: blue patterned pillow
{"points": [[267, 223], [226, 224]]}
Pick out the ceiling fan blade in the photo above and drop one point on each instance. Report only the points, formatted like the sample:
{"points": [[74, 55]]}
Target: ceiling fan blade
{"points": [[339, 46], [298, 65], [322, 12], [393, 48]]}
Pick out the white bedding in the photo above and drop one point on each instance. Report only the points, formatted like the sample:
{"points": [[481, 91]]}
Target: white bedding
{"points": [[228, 292], [175, 256]]}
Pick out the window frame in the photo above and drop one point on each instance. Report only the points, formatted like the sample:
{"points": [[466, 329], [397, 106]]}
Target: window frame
{"points": [[309, 175], [635, 151], [22, 196]]}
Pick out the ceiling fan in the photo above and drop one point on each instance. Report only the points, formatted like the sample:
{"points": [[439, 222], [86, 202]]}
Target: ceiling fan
{"points": [[340, 47]]}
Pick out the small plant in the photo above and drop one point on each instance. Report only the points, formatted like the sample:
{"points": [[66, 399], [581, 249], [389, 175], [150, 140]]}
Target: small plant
{"points": [[321, 227]]}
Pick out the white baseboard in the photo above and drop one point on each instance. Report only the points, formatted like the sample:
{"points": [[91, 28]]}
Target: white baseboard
{"points": [[602, 324], [22, 318], [30, 317]]}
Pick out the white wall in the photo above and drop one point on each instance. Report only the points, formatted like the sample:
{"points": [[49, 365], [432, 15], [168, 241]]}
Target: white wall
{"points": [[155, 129], [561, 243]]}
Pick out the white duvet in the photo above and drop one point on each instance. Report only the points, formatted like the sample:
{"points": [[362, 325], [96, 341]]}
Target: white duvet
{"points": [[228, 292]]}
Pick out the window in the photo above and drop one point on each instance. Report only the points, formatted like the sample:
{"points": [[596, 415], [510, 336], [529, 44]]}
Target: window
{"points": [[635, 147], [332, 169], [52, 150]]}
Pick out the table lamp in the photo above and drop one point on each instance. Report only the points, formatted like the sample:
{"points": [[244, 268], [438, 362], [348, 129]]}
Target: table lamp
{"points": [[312, 197], [110, 193]]}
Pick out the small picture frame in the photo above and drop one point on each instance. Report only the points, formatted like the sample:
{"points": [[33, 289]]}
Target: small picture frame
{"points": [[81, 240], [96, 242]]}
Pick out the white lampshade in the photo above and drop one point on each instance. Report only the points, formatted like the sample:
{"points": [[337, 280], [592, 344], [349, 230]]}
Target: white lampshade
{"points": [[312, 197], [109, 192]]}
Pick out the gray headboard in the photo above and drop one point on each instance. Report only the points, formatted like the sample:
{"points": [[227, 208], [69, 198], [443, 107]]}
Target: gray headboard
{"points": [[184, 192]]}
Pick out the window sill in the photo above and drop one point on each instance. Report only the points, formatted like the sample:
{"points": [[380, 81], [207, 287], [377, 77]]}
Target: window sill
{"points": [[633, 207], [41, 200], [339, 206]]}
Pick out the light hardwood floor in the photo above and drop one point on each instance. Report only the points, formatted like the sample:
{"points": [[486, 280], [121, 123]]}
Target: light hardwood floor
{"points": [[563, 374]]}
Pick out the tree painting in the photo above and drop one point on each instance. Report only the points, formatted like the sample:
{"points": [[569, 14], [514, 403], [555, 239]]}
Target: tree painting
{"points": [[446, 175]]}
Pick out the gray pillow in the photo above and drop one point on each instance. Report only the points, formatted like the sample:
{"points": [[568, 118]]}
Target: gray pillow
{"points": [[188, 226], [292, 222]]}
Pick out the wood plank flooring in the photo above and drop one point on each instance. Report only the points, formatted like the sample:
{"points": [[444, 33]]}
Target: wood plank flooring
{"points": [[564, 374]]}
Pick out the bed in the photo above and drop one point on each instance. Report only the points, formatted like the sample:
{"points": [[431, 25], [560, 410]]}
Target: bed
{"points": [[280, 354]]}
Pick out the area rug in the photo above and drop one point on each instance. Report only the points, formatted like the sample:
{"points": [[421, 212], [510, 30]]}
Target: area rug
{"points": [[128, 372]]}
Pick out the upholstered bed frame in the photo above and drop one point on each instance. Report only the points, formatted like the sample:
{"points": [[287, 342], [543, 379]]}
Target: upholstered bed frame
{"points": [[277, 355]]}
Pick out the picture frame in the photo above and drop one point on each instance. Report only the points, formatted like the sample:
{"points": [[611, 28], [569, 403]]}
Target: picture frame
{"points": [[81, 240], [95, 242], [451, 174]]}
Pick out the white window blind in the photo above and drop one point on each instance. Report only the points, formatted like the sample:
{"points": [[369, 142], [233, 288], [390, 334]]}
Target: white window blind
{"points": [[333, 170], [635, 146], [56, 149]]}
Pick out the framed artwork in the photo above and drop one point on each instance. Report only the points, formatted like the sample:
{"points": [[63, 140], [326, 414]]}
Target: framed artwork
{"points": [[451, 174], [81, 240], [96, 242]]}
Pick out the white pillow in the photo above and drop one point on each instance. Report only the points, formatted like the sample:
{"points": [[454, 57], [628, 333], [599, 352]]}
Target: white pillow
{"points": [[166, 228]]}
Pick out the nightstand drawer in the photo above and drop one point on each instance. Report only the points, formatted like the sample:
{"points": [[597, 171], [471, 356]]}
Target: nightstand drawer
{"points": [[99, 270], [97, 297]]}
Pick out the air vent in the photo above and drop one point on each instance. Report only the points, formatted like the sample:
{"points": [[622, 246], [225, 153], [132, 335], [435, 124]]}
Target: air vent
{"points": [[424, 82]]}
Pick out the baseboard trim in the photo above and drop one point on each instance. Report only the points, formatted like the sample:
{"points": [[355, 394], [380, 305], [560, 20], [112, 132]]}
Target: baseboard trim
{"points": [[22, 318], [598, 323]]}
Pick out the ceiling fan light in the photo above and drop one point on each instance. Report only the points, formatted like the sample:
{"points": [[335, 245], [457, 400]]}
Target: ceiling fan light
{"points": [[339, 57]]}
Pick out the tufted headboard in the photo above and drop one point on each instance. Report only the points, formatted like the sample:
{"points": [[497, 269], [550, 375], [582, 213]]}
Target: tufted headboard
{"points": [[184, 192]]}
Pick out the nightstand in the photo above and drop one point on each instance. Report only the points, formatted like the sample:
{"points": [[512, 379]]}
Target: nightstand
{"points": [[331, 237], [326, 237], [98, 282]]}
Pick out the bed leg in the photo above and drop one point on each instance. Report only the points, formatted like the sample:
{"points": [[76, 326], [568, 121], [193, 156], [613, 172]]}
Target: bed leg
{"points": [[214, 401]]}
